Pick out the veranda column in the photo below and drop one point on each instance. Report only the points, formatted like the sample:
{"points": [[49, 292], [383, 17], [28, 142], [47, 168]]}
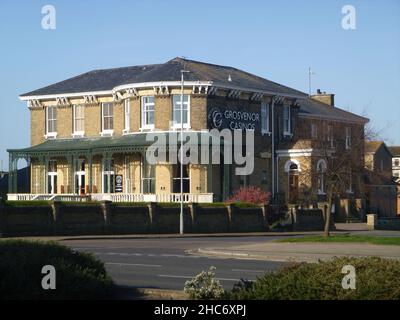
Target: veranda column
{"points": [[10, 173], [226, 181], [71, 188], [90, 158]]}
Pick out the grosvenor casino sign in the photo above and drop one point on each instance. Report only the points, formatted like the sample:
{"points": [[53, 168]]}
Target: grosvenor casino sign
{"points": [[223, 118]]}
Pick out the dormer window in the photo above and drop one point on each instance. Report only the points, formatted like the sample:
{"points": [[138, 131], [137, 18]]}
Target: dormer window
{"points": [[51, 122]]}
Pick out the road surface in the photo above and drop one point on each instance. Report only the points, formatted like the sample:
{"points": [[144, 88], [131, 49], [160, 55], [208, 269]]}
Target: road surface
{"points": [[165, 263]]}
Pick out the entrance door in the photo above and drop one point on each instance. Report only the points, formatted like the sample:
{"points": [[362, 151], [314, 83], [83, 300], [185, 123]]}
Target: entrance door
{"points": [[108, 176], [293, 183], [52, 177], [52, 183], [80, 177]]}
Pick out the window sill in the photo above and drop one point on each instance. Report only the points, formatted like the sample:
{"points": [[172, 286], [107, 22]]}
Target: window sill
{"points": [[50, 135], [288, 135], [78, 134], [179, 127], [107, 133], [147, 128], [266, 133], [126, 131]]}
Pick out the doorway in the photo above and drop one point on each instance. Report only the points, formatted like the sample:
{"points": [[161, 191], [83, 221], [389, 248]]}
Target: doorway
{"points": [[80, 177]]}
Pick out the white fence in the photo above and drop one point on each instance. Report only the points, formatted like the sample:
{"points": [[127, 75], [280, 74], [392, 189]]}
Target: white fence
{"points": [[46, 197], [116, 197]]}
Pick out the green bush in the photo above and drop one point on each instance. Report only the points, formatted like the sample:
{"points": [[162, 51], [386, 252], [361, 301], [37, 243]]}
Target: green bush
{"points": [[376, 279], [78, 275]]}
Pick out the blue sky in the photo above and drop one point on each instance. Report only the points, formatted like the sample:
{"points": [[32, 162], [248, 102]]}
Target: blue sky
{"points": [[277, 40]]}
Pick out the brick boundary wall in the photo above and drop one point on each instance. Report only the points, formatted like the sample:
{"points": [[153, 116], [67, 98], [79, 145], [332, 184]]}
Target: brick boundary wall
{"points": [[382, 223], [105, 217]]}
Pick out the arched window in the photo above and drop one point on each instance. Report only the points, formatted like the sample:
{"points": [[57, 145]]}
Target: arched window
{"points": [[321, 170], [292, 167]]}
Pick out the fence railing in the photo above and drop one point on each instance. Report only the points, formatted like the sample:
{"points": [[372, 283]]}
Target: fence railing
{"points": [[116, 197]]}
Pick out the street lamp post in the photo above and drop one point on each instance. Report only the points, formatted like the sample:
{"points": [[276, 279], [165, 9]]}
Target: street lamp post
{"points": [[181, 231]]}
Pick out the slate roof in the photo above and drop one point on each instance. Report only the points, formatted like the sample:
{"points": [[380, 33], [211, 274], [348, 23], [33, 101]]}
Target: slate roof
{"points": [[373, 146], [314, 108], [395, 150], [107, 79]]}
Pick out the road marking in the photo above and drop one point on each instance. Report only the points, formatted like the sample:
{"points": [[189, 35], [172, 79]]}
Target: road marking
{"points": [[244, 270], [188, 277], [135, 264]]}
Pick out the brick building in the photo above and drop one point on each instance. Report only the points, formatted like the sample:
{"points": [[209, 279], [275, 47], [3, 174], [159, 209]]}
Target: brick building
{"points": [[89, 134]]}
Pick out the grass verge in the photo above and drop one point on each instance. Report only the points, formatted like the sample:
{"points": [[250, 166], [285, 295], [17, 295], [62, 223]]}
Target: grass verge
{"points": [[395, 241]]}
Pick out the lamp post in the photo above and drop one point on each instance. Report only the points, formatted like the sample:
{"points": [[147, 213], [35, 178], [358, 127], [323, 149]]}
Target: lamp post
{"points": [[181, 116]]}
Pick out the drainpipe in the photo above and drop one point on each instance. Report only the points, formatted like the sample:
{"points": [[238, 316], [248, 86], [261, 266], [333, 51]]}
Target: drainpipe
{"points": [[273, 147]]}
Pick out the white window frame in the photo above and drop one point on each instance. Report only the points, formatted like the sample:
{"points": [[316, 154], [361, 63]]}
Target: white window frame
{"points": [[188, 178], [265, 118], [330, 135], [287, 132], [108, 170], [314, 131], [348, 137], [144, 178], [107, 132], [50, 134], [52, 174], [77, 133], [321, 170], [176, 125], [127, 115], [144, 111]]}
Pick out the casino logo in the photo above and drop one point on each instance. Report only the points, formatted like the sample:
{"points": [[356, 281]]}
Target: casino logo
{"points": [[215, 118]]}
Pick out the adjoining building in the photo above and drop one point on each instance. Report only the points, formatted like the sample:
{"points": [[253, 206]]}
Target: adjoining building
{"points": [[381, 189], [395, 150], [89, 134]]}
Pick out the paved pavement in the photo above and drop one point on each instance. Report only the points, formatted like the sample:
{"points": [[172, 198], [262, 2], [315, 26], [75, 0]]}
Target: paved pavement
{"points": [[300, 252], [165, 263]]}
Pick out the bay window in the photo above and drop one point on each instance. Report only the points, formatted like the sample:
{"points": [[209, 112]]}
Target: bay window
{"points": [[180, 112], [148, 112]]}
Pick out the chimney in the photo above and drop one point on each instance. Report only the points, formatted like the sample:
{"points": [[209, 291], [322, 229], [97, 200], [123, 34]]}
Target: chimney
{"points": [[327, 98]]}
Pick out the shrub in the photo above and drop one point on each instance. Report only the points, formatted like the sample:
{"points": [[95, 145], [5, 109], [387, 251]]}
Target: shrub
{"points": [[252, 195], [376, 279], [78, 275], [204, 286]]}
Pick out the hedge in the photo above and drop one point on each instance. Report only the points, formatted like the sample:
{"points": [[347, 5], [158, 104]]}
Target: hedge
{"points": [[78, 275], [376, 279]]}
